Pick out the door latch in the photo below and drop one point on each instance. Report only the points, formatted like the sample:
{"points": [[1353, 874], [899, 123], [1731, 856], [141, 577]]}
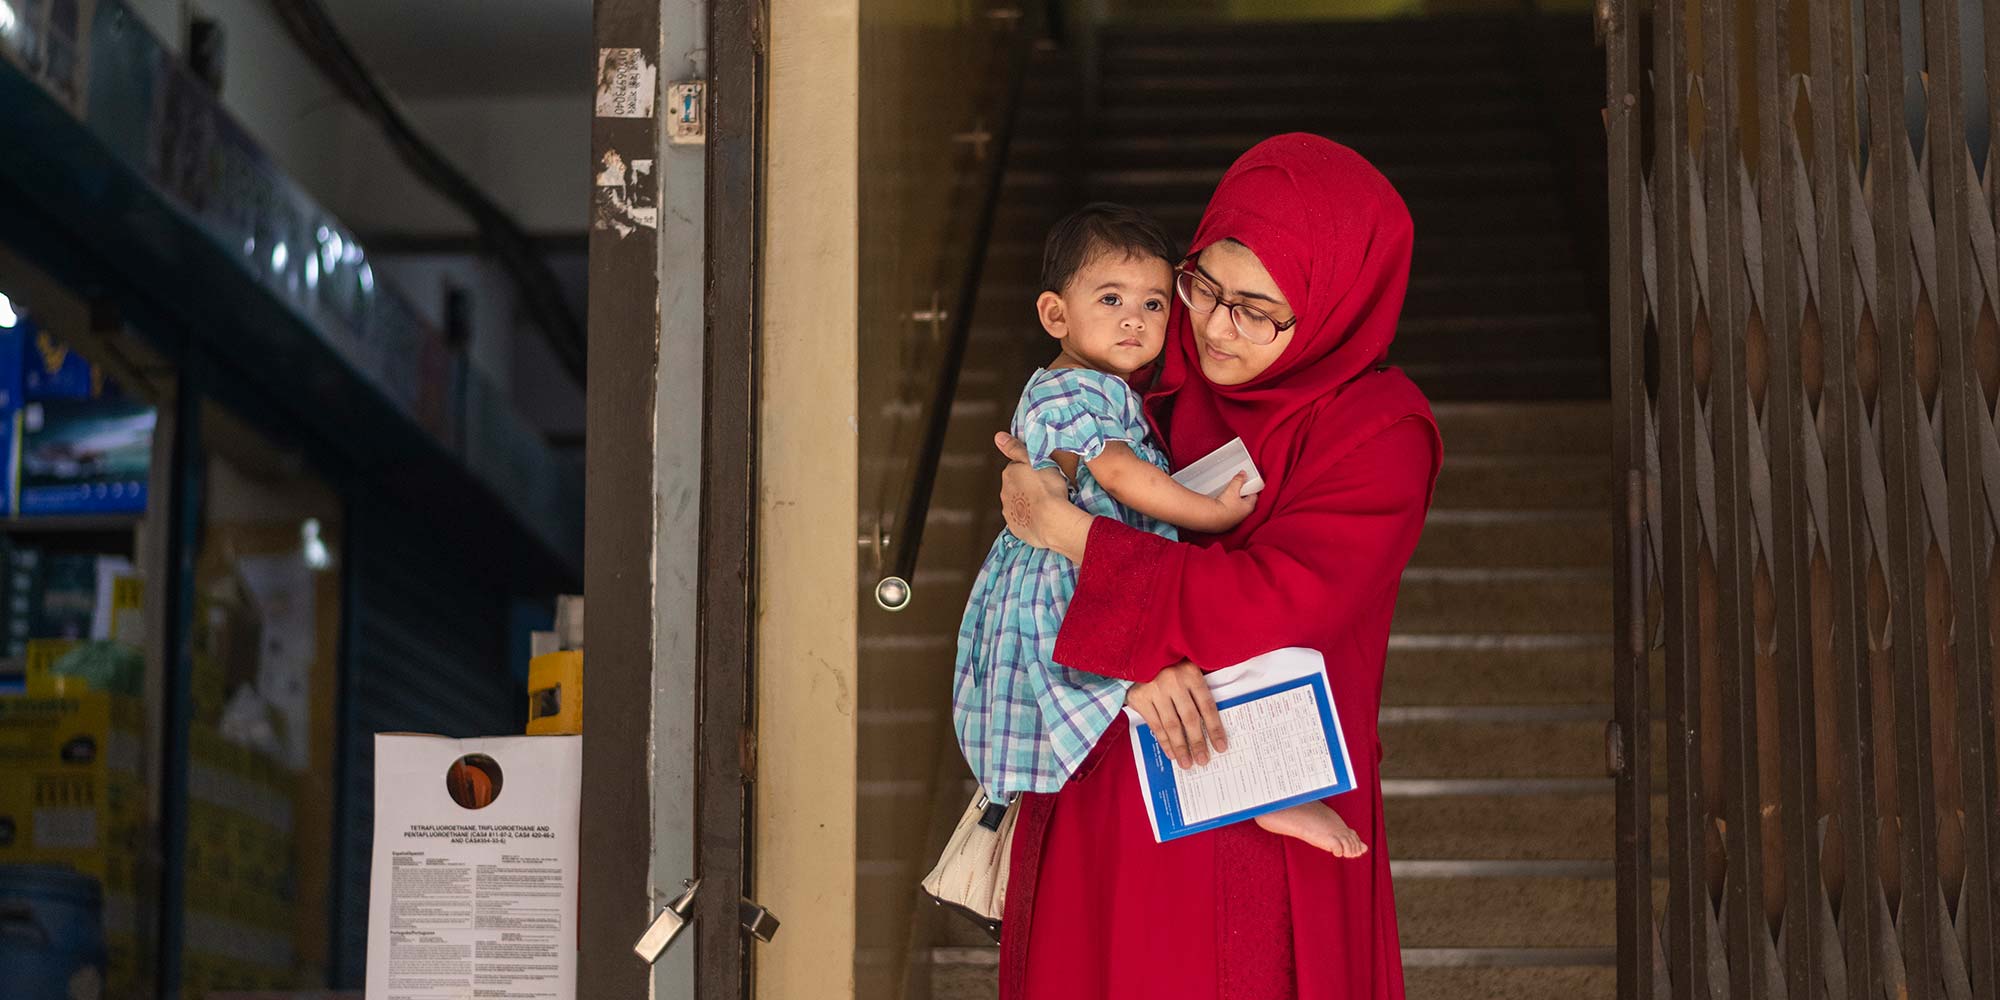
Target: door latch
{"points": [[757, 920]]}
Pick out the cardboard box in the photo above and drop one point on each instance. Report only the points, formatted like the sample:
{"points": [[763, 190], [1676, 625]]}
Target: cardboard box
{"points": [[239, 864], [474, 867], [72, 793]]}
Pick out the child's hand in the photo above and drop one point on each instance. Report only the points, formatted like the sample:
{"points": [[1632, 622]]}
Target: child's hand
{"points": [[1233, 505]]}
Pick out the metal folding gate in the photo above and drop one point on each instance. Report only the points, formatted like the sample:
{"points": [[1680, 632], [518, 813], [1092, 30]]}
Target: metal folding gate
{"points": [[1805, 358]]}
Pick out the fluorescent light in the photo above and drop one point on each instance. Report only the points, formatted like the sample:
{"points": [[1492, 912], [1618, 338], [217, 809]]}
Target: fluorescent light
{"points": [[278, 257], [8, 20], [7, 315]]}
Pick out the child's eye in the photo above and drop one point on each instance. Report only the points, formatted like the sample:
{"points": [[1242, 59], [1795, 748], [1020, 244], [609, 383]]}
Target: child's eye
{"points": [[1155, 305], [1109, 299]]}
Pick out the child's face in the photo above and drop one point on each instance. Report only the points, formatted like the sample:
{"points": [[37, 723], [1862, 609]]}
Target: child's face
{"points": [[1113, 315]]}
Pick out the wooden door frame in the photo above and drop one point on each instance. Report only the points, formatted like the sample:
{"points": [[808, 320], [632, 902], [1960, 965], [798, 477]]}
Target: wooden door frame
{"points": [[622, 494]]}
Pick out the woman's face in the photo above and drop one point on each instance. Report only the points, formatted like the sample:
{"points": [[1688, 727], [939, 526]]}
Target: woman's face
{"points": [[1226, 357]]}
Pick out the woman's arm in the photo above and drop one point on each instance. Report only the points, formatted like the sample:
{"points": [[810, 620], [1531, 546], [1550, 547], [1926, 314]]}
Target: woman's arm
{"points": [[1321, 560], [1141, 485]]}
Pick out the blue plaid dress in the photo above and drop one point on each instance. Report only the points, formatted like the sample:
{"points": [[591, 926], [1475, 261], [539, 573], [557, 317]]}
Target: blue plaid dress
{"points": [[1025, 721]]}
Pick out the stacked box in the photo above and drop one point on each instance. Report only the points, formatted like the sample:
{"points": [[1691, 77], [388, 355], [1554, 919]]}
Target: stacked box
{"points": [[23, 577], [50, 370], [239, 864], [72, 793]]}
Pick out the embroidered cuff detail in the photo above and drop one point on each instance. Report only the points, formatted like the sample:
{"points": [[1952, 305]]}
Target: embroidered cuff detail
{"points": [[1114, 595]]}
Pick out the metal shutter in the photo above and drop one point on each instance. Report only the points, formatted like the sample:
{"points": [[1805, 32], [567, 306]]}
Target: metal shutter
{"points": [[426, 638]]}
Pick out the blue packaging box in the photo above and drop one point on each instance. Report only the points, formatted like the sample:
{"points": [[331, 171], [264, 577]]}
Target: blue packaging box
{"points": [[50, 370], [85, 456], [13, 345]]}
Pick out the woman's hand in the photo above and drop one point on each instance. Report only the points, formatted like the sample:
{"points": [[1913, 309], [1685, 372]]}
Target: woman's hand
{"points": [[1181, 710], [1036, 504]]}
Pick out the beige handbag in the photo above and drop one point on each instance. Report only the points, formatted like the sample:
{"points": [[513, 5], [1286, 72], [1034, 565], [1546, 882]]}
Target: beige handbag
{"points": [[971, 877]]}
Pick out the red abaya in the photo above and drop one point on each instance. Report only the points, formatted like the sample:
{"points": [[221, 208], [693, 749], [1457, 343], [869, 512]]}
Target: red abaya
{"points": [[1349, 453]]}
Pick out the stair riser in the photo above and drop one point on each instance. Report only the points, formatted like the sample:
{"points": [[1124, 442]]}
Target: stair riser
{"points": [[1500, 913], [1495, 380], [1216, 151], [1498, 677], [1529, 983], [1578, 429], [1476, 348], [1501, 827], [1505, 605], [1525, 485], [1493, 750], [1565, 543]]}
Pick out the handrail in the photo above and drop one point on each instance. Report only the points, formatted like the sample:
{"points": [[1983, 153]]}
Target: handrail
{"points": [[893, 592]]}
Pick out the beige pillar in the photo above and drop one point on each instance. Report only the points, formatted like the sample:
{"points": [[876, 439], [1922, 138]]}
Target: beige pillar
{"points": [[806, 668]]}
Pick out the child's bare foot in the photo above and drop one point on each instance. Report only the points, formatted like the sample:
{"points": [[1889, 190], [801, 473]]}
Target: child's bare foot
{"points": [[1317, 824]]}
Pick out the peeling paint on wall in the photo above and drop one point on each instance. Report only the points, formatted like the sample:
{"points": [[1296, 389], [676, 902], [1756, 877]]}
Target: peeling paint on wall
{"points": [[626, 83]]}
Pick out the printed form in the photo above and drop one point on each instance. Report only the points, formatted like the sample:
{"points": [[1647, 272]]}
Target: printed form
{"points": [[1285, 747], [1277, 749]]}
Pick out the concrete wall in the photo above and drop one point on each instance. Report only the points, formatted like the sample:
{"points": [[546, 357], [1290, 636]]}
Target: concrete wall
{"points": [[530, 154]]}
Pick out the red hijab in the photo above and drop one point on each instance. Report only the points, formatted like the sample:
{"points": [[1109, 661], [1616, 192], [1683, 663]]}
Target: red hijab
{"points": [[1335, 236]]}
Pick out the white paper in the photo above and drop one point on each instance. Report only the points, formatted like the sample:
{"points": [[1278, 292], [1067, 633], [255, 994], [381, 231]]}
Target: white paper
{"points": [[1212, 472], [1278, 747], [474, 902], [1281, 752], [284, 590]]}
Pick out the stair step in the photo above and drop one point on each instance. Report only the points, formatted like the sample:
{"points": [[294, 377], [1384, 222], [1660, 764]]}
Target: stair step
{"points": [[1502, 600], [1497, 677], [1575, 429], [1516, 539], [1491, 326], [1157, 84], [1328, 118], [1491, 294], [1506, 912], [972, 973], [1509, 827], [1216, 150], [1518, 352], [1528, 982], [1467, 749], [1489, 482], [1566, 378]]}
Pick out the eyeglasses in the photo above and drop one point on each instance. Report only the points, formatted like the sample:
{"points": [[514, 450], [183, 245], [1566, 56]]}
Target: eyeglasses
{"points": [[1202, 296]]}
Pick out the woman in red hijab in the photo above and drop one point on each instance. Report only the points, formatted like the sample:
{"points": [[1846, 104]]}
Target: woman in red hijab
{"points": [[1301, 262]]}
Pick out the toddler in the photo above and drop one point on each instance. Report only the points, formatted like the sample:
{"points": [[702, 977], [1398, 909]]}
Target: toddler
{"points": [[1024, 721]]}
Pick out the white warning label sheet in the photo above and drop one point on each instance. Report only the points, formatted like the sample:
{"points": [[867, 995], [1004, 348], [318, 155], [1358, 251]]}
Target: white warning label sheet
{"points": [[475, 930], [472, 891]]}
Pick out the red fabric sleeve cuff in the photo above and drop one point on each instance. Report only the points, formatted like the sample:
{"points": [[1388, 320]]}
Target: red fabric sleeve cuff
{"points": [[1114, 595]]}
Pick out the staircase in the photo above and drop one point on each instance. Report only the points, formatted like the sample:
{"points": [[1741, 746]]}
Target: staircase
{"points": [[1499, 814]]}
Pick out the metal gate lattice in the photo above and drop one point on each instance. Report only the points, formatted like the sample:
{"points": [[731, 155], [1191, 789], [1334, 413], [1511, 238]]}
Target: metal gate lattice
{"points": [[1805, 359]]}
